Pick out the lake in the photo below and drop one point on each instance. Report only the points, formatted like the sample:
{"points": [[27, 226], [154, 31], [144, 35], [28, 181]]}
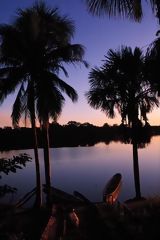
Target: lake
{"points": [[87, 169]]}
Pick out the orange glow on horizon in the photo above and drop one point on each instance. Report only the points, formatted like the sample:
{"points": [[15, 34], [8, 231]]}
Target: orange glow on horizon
{"points": [[72, 113]]}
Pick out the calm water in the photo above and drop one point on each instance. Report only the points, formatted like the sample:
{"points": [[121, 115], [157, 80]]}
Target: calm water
{"points": [[87, 169]]}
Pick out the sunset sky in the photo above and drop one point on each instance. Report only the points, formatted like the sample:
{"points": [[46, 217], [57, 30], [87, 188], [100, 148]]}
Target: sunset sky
{"points": [[98, 35]]}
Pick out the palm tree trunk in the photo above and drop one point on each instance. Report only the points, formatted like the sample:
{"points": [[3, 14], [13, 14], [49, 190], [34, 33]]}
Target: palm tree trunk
{"points": [[38, 202], [135, 159], [136, 171], [47, 158]]}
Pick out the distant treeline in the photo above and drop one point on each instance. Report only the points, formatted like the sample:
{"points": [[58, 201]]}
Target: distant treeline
{"points": [[74, 134]]}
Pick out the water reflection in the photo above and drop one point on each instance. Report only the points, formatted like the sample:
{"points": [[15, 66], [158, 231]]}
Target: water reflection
{"points": [[139, 139], [87, 169]]}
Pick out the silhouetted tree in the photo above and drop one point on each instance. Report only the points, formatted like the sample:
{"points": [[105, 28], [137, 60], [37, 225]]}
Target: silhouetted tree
{"points": [[14, 73], [41, 45], [120, 85]]}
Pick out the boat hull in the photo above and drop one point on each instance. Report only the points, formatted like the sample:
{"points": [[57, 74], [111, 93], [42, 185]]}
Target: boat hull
{"points": [[112, 189]]}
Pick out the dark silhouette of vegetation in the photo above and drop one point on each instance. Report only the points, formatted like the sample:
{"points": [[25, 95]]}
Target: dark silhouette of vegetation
{"points": [[12, 165], [152, 64], [126, 9], [34, 50], [132, 9], [136, 170], [81, 135], [120, 84]]}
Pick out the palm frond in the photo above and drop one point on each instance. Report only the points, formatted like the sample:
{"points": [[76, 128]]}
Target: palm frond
{"points": [[12, 78], [49, 103], [70, 53], [55, 27], [18, 106], [63, 86], [155, 5], [123, 8], [121, 84], [38, 42]]}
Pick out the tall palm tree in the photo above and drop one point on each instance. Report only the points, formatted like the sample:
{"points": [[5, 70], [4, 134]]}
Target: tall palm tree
{"points": [[34, 49], [13, 74], [132, 9], [120, 85]]}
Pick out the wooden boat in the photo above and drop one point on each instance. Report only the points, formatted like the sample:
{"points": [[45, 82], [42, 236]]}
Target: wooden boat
{"points": [[82, 197], [60, 197], [112, 189]]}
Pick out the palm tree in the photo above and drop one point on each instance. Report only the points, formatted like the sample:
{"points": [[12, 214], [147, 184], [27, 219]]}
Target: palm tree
{"points": [[13, 74], [34, 49], [120, 85], [132, 9]]}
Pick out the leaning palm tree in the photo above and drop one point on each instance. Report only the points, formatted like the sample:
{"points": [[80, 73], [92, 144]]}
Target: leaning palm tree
{"points": [[34, 49], [132, 9]]}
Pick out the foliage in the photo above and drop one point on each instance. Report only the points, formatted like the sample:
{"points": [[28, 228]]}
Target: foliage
{"points": [[152, 64], [33, 50], [132, 9], [14, 163], [128, 8], [11, 165], [120, 84]]}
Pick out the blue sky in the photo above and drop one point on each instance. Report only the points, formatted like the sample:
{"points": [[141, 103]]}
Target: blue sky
{"points": [[98, 35]]}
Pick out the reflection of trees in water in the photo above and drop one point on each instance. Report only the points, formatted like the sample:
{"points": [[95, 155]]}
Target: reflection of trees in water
{"points": [[90, 135], [87, 135], [139, 137], [12, 165], [125, 135], [79, 135]]}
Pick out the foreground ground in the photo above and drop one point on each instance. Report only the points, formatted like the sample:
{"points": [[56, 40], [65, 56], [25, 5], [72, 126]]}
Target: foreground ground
{"points": [[133, 221]]}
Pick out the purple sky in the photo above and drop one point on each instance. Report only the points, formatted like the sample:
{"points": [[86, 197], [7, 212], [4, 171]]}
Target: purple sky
{"points": [[98, 35]]}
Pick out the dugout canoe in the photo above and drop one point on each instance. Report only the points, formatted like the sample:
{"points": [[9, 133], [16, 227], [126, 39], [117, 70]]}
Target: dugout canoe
{"points": [[112, 189]]}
